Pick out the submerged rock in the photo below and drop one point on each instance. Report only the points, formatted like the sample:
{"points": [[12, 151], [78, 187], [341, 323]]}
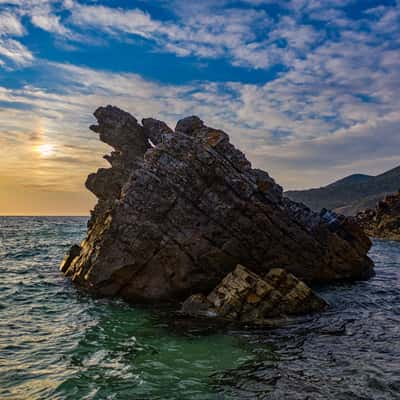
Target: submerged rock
{"points": [[383, 221], [178, 210], [245, 297]]}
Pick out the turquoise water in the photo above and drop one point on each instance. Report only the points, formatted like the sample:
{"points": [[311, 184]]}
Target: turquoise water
{"points": [[57, 343]]}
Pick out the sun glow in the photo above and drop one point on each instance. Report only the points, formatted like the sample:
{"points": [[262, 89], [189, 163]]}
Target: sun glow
{"points": [[45, 150]]}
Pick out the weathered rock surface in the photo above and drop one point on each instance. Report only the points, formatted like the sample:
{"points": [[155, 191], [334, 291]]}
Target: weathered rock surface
{"points": [[245, 297], [73, 252], [383, 221], [174, 219]]}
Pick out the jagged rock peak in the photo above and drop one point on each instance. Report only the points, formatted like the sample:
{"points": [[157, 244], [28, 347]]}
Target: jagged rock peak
{"points": [[178, 210], [189, 125], [118, 128], [155, 130]]}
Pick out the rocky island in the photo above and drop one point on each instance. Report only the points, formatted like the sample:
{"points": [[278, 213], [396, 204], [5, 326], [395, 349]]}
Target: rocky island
{"points": [[181, 210], [384, 220]]}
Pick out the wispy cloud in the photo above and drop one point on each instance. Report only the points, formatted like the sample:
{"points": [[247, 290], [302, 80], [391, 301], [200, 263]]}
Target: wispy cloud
{"points": [[245, 33], [16, 52], [227, 33], [42, 18], [11, 50], [10, 25]]}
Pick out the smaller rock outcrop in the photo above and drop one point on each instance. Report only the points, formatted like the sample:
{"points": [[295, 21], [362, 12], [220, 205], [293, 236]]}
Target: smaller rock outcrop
{"points": [[245, 297], [73, 252], [384, 220]]}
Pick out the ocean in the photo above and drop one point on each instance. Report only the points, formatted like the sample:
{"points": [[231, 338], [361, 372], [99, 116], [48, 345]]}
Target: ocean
{"points": [[58, 343]]}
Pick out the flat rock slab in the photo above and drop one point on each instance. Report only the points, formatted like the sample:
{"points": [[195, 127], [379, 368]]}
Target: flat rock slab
{"points": [[179, 209]]}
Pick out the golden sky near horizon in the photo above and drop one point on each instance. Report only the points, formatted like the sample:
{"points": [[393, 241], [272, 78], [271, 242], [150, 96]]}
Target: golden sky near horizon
{"points": [[45, 159], [43, 170], [43, 173]]}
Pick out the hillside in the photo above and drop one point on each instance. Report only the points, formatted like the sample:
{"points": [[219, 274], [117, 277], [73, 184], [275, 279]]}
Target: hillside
{"points": [[350, 194]]}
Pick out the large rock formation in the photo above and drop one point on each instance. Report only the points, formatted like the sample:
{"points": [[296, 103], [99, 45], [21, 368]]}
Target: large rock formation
{"points": [[245, 297], [384, 220], [178, 210]]}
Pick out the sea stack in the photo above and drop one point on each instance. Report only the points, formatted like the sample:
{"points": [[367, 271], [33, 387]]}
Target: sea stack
{"points": [[179, 209]]}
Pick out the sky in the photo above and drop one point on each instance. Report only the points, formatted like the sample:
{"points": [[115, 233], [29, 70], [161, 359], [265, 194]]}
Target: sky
{"points": [[308, 89]]}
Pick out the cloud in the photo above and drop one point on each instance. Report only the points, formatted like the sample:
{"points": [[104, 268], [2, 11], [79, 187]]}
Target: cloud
{"points": [[12, 52], [245, 33], [10, 25], [113, 20], [15, 52], [227, 33], [42, 13], [49, 23], [370, 147], [297, 36], [251, 37]]}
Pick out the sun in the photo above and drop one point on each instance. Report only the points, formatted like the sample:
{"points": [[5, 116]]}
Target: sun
{"points": [[45, 150]]}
